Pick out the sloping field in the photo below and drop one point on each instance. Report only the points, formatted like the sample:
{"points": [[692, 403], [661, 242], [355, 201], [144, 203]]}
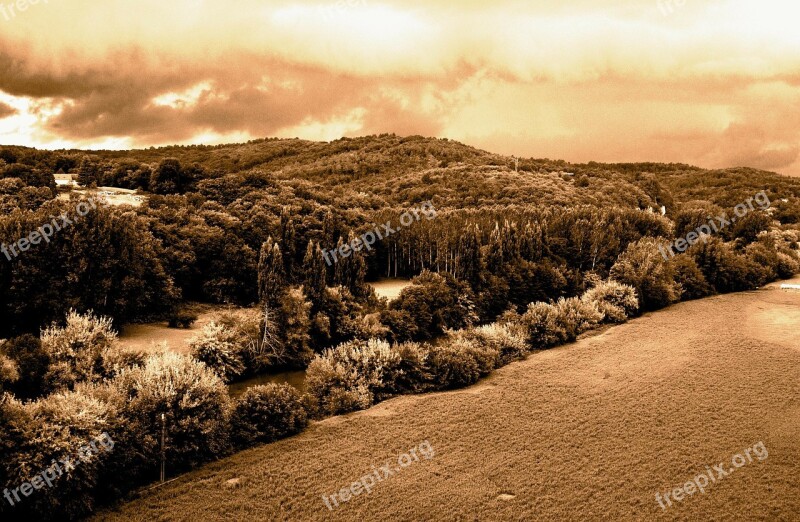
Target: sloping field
{"points": [[589, 431]]}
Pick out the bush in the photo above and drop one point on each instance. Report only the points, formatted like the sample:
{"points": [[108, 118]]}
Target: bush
{"points": [[413, 375], [766, 258], [453, 367], [643, 267], [193, 398], [725, 270], [787, 266], [9, 372], [76, 350], [434, 303], [15, 434], [548, 325], [216, 347], [576, 316], [400, 325], [747, 228], [114, 361], [774, 262], [353, 376], [507, 339], [615, 302], [73, 494], [543, 326], [691, 280], [266, 414], [246, 330], [487, 357], [182, 319]]}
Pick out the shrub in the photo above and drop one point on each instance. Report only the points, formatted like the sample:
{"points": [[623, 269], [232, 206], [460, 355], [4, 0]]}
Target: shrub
{"points": [[353, 375], [693, 216], [487, 357], [76, 350], [216, 347], [643, 267], [615, 301], [73, 493], [453, 367], [747, 228], [191, 396], [434, 303], [182, 319], [413, 375], [400, 325], [776, 262], [114, 361], [548, 325], [725, 270], [245, 329], [508, 339], [766, 258], [576, 316], [339, 400], [15, 434], [266, 414], [691, 280], [543, 326], [133, 461], [8, 371], [787, 266]]}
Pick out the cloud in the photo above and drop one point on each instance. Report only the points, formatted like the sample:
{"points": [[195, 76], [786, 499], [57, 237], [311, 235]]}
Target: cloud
{"points": [[711, 82], [6, 110]]}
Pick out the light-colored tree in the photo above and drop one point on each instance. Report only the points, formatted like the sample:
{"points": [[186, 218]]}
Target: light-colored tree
{"points": [[76, 350], [218, 348], [643, 267], [8, 371]]}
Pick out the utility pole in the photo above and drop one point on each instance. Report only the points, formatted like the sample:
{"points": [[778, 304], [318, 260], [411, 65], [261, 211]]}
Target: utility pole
{"points": [[163, 446]]}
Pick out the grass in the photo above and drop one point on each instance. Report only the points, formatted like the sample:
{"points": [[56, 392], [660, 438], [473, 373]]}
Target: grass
{"points": [[390, 288], [590, 430], [148, 337]]}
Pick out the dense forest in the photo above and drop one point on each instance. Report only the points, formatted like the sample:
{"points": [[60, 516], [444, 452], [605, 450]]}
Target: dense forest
{"points": [[517, 233], [522, 254]]}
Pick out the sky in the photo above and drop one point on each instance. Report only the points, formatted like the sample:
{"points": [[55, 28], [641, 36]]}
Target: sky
{"points": [[714, 83]]}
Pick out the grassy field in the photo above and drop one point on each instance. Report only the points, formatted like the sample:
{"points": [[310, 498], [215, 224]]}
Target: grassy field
{"points": [[390, 288], [589, 431], [149, 337]]}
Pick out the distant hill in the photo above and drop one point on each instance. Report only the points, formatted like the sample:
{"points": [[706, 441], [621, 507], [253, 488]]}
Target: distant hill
{"points": [[396, 170]]}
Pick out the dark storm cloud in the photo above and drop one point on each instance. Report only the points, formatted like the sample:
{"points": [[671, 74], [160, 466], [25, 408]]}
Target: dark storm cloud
{"points": [[6, 110], [246, 94]]}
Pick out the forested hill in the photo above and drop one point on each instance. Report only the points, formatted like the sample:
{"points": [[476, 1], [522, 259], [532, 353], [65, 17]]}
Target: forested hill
{"points": [[516, 231], [388, 170]]}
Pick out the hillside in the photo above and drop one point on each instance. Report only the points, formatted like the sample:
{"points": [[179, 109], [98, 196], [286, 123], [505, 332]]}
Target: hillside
{"points": [[207, 211], [497, 260], [397, 170], [591, 430]]}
